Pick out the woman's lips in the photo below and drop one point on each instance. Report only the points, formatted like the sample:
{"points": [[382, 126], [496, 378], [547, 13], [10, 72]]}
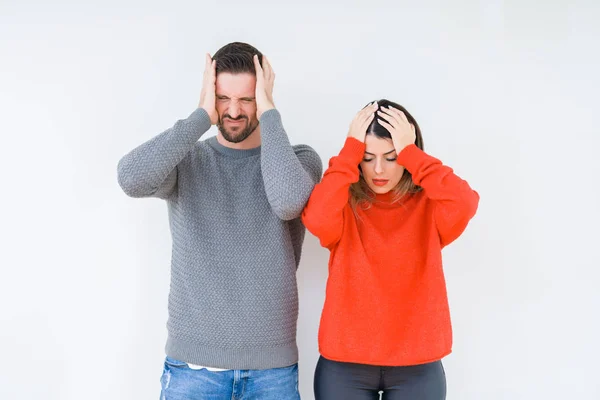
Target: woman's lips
{"points": [[380, 182]]}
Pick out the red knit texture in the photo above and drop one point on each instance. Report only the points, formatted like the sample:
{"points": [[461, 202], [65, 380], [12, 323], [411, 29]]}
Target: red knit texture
{"points": [[386, 301]]}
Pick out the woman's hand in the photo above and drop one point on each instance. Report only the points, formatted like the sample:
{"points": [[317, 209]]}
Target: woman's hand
{"points": [[362, 120], [395, 121]]}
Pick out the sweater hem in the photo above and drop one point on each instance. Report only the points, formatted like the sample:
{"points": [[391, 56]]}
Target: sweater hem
{"points": [[387, 363], [255, 358]]}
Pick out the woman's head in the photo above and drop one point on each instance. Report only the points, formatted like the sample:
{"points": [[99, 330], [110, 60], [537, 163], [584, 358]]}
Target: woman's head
{"points": [[380, 173]]}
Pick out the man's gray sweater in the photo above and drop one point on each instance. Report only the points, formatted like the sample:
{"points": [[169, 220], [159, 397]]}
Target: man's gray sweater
{"points": [[237, 239]]}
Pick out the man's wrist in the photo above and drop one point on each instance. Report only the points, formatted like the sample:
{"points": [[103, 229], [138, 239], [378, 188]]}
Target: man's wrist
{"points": [[269, 107]]}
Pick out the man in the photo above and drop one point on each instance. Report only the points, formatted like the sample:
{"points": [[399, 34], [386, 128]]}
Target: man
{"points": [[234, 203]]}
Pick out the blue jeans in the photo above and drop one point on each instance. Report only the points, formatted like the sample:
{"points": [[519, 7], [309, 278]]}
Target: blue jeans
{"points": [[180, 382]]}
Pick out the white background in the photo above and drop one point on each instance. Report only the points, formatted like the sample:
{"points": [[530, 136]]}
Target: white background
{"points": [[506, 92]]}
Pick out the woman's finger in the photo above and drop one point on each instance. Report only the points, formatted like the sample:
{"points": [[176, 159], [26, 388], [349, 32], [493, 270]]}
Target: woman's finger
{"points": [[368, 121], [386, 125], [400, 113], [390, 117]]}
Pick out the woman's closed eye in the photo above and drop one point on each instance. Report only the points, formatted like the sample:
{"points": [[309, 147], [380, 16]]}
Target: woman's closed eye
{"points": [[371, 159]]}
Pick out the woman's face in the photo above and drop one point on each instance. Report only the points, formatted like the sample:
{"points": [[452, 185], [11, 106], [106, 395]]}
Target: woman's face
{"points": [[379, 167]]}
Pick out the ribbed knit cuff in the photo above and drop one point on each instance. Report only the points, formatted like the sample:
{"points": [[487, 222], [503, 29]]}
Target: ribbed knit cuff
{"points": [[410, 157], [353, 150], [271, 117], [200, 116]]}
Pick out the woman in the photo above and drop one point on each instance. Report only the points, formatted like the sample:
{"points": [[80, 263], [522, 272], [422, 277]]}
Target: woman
{"points": [[385, 209]]}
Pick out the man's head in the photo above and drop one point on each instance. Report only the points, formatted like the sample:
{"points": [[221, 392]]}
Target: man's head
{"points": [[235, 91]]}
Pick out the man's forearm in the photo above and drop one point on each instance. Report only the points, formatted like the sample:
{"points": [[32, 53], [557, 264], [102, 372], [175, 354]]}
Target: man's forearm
{"points": [[288, 181], [148, 168]]}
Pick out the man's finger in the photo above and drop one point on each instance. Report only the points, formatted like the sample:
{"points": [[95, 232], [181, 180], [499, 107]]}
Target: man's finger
{"points": [[213, 70], [267, 66], [207, 63], [259, 70]]}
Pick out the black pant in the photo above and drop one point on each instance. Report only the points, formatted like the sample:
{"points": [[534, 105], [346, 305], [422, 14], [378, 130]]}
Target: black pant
{"points": [[346, 381]]}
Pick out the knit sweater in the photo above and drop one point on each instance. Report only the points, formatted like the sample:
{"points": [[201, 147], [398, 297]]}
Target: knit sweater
{"points": [[236, 239], [386, 301]]}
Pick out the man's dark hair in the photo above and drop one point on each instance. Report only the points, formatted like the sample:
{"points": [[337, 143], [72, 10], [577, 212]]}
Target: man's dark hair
{"points": [[237, 58]]}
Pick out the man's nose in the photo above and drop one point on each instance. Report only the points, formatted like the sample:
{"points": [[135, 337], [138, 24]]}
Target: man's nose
{"points": [[234, 109]]}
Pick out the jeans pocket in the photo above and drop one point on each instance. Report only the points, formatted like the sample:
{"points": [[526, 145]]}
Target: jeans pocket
{"points": [[172, 362], [290, 368], [292, 371]]}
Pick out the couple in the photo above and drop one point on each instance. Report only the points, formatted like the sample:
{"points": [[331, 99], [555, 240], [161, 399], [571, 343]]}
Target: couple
{"points": [[238, 204]]}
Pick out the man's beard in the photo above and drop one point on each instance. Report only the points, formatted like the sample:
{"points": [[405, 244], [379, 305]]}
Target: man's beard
{"points": [[239, 135]]}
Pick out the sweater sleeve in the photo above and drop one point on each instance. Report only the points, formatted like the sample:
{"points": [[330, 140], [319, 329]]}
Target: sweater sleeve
{"points": [[150, 170], [455, 201], [289, 172], [323, 216]]}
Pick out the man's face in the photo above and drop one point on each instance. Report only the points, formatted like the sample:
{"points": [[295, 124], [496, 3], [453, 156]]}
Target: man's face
{"points": [[236, 105]]}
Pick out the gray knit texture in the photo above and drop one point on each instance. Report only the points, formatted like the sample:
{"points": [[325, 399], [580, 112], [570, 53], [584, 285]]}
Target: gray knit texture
{"points": [[237, 239]]}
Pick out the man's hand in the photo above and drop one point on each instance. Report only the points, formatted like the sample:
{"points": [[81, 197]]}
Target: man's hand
{"points": [[265, 78], [207, 96]]}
